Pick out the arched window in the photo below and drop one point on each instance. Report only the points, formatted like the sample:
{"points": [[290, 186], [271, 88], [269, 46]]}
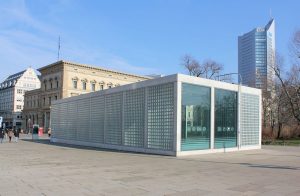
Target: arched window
{"points": [[109, 85], [102, 83], [93, 85], [84, 81]]}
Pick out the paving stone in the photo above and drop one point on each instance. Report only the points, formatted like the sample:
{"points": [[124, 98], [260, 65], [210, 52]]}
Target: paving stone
{"points": [[43, 168]]}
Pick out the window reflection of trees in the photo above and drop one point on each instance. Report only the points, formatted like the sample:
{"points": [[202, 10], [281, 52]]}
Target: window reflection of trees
{"points": [[226, 116]]}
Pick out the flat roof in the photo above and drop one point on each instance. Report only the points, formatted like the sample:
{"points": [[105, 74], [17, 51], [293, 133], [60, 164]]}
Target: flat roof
{"points": [[167, 79]]}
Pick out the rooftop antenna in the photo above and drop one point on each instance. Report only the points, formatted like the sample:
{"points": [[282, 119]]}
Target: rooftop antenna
{"points": [[58, 51]]}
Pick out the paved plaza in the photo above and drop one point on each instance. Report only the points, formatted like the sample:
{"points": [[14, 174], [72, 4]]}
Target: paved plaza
{"points": [[42, 168]]}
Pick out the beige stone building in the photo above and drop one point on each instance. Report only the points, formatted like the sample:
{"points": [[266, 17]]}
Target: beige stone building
{"points": [[64, 79]]}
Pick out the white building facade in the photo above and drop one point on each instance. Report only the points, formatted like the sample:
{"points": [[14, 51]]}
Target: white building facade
{"points": [[256, 55], [173, 115], [12, 92]]}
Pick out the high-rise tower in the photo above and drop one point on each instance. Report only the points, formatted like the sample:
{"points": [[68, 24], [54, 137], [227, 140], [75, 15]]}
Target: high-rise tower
{"points": [[256, 55]]}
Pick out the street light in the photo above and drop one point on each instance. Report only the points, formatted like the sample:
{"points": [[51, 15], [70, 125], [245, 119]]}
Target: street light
{"points": [[239, 103]]}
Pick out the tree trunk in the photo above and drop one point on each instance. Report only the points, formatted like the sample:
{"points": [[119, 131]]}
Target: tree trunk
{"points": [[279, 130]]}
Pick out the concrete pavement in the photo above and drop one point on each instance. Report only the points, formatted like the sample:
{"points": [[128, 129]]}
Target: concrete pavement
{"points": [[43, 168]]}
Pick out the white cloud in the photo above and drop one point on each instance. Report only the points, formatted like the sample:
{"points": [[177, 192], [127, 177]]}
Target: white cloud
{"points": [[17, 14], [28, 41], [99, 57]]}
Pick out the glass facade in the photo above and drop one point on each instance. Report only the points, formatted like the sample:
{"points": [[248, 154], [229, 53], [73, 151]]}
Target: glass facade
{"points": [[142, 117], [260, 58], [256, 57], [195, 131], [225, 119]]}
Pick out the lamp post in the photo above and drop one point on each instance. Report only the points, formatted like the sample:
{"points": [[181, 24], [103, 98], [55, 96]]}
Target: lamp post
{"points": [[239, 103]]}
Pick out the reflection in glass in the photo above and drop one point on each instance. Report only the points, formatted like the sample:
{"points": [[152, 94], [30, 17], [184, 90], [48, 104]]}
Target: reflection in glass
{"points": [[225, 118], [195, 132]]}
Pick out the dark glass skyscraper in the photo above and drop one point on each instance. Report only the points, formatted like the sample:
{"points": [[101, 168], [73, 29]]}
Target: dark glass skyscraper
{"points": [[256, 54]]}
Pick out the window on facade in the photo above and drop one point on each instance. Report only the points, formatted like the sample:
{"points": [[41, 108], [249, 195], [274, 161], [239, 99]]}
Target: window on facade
{"points": [[195, 130], [49, 100], [93, 86], [225, 118], [44, 100], [45, 85], [84, 85], [51, 85], [19, 107], [56, 84], [55, 97], [101, 86], [109, 86], [75, 84]]}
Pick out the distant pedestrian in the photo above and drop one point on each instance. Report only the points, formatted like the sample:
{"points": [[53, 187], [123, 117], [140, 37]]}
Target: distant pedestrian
{"points": [[17, 133], [10, 135], [1, 136], [49, 132], [5, 134]]}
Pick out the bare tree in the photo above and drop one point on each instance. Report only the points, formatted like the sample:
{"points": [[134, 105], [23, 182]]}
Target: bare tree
{"points": [[290, 85], [191, 64], [211, 68], [207, 69], [294, 47]]}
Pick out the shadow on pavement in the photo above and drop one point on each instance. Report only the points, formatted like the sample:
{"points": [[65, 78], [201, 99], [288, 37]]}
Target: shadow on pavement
{"points": [[47, 142], [263, 166], [270, 166]]}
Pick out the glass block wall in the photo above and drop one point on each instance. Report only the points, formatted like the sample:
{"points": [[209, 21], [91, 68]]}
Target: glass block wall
{"points": [[71, 121], [56, 123], [113, 119], [249, 119], [139, 118], [83, 119], [160, 109], [134, 117], [63, 111], [97, 120]]}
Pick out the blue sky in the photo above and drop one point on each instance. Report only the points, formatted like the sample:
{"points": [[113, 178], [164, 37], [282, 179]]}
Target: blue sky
{"points": [[136, 36]]}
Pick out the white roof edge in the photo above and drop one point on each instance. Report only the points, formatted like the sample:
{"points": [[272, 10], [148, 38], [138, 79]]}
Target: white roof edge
{"points": [[215, 83], [166, 79]]}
